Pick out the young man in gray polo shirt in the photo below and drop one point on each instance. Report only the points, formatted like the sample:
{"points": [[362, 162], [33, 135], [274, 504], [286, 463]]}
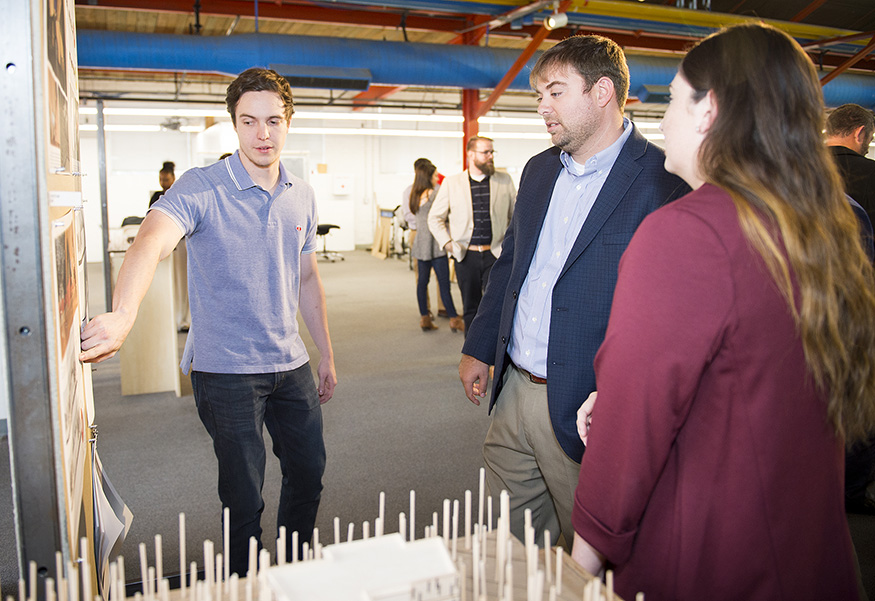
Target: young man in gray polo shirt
{"points": [[250, 229]]}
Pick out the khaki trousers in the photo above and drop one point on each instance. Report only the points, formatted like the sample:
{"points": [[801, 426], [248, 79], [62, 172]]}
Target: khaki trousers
{"points": [[521, 455]]}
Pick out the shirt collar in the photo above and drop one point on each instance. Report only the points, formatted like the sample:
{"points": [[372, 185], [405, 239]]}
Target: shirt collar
{"points": [[478, 178], [605, 158], [243, 180]]}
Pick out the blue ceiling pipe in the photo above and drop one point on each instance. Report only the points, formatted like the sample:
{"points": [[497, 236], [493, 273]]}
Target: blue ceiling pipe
{"points": [[389, 63]]}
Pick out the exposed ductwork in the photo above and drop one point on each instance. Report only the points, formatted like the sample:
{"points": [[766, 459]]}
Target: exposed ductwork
{"points": [[389, 63]]}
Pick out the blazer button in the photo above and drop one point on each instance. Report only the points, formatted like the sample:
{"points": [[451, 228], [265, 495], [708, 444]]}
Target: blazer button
{"points": [[514, 294], [503, 340]]}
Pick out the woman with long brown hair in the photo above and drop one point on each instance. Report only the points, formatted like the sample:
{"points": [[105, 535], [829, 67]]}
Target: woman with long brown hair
{"points": [[427, 253], [740, 354]]}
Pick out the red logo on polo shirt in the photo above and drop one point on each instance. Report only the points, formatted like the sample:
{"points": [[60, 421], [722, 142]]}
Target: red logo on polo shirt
{"points": [[298, 227]]}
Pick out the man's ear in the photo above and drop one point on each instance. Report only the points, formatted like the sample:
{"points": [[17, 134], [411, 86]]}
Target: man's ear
{"points": [[605, 91], [859, 133]]}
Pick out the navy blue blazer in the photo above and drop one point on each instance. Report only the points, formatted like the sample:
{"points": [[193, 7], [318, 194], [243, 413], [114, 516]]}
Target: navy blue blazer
{"points": [[581, 302]]}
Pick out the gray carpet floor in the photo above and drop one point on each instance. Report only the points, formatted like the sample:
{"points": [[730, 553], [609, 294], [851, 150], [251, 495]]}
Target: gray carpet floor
{"points": [[399, 421]]}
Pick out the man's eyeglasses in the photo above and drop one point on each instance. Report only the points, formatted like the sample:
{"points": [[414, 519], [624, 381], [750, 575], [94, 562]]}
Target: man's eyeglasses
{"points": [[486, 152]]}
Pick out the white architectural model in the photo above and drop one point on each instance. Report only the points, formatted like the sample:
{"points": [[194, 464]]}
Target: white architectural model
{"points": [[385, 568]]}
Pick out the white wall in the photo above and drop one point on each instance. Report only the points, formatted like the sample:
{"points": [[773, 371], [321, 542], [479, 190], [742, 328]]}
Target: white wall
{"points": [[353, 175], [132, 164]]}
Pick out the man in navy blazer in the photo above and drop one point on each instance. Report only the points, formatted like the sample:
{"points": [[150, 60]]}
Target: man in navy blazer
{"points": [[546, 307]]}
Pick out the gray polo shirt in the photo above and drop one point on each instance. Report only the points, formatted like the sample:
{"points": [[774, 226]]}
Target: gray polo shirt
{"points": [[244, 269]]}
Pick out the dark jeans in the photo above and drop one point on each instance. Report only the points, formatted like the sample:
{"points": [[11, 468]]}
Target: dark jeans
{"points": [[441, 268], [472, 273], [233, 408]]}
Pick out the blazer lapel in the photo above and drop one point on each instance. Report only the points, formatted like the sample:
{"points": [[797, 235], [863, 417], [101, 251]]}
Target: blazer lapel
{"points": [[617, 184], [530, 225]]}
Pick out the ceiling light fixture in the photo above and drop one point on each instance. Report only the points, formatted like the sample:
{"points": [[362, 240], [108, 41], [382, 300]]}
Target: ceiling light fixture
{"points": [[555, 21]]}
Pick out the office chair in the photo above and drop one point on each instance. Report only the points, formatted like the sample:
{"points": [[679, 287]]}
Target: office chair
{"points": [[322, 230]]}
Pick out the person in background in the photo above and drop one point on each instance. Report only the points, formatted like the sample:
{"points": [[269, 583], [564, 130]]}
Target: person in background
{"points": [[410, 219], [249, 366], [470, 214], [740, 352], [428, 254], [166, 177], [849, 131], [546, 308]]}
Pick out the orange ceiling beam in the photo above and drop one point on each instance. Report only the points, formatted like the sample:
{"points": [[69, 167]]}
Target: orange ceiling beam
{"points": [[807, 10], [848, 63], [518, 64]]}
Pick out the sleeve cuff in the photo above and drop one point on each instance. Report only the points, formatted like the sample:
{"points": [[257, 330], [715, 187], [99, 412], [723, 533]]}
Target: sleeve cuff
{"points": [[616, 547]]}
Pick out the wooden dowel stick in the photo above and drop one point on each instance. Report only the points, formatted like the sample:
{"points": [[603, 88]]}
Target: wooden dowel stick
{"points": [[548, 573], [446, 523], [455, 527], [220, 569], [295, 547], [263, 561], [121, 576], [252, 568], [468, 519], [349, 532], [475, 566], [143, 567], [382, 514], [336, 530], [112, 593], [210, 562], [281, 547], [61, 582], [31, 581], [539, 585], [366, 530], [159, 558], [402, 525], [151, 581], [504, 511], [86, 570], [559, 560], [412, 516], [235, 587], [482, 493], [489, 513], [484, 592], [182, 563], [226, 542], [463, 580]]}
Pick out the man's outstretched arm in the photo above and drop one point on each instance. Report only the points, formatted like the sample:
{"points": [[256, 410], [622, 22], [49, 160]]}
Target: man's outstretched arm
{"points": [[155, 240]]}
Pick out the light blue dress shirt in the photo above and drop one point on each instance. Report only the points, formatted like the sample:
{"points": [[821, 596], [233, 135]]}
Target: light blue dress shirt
{"points": [[573, 197]]}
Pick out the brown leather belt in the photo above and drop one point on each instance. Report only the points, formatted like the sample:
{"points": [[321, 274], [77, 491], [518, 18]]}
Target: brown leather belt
{"points": [[532, 377], [479, 248]]}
